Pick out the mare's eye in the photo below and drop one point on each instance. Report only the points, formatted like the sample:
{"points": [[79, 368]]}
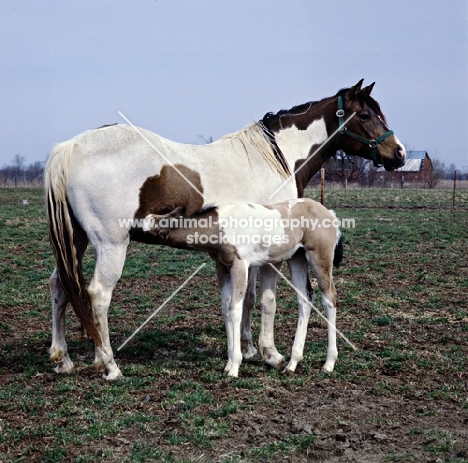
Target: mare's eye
{"points": [[364, 116]]}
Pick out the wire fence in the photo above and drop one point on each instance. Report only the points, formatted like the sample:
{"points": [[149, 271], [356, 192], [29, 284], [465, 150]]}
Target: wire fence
{"points": [[444, 197], [335, 196]]}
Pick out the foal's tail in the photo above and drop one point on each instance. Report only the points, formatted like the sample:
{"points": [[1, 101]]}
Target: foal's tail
{"points": [[338, 255], [63, 234]]}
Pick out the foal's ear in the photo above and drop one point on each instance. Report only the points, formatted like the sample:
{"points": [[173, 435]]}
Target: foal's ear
{"points": [[177, 212], [356, 89], [367, 90]]}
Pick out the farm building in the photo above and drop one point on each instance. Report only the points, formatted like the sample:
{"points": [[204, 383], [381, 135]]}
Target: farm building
{"points": [[417, 169], [343, 168]]}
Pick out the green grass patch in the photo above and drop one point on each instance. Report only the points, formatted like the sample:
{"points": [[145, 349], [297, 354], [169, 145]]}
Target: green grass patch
{"points": [[401, 301]]}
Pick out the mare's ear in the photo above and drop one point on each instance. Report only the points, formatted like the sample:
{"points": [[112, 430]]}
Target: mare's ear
{"points": [[353, 91], [367, 90]]}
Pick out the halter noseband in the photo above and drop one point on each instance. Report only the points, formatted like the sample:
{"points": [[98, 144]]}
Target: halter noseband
{"points": [[371, 143]]}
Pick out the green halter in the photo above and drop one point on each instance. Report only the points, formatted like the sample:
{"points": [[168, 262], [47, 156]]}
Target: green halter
{"points": [[371, 143]]}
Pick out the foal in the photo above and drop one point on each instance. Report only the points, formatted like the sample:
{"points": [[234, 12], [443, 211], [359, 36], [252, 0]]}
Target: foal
{"points": [[239, 235]]}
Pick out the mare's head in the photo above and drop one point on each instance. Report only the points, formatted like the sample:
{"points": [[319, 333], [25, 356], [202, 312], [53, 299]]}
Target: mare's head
{"points": [[366, 134]]}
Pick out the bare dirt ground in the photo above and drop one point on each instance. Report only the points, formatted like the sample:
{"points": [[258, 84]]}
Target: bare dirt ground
{"points": [[376, 414]]}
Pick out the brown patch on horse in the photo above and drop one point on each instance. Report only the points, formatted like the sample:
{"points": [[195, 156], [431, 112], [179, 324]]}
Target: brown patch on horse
{"points": [[298, 116], [169, 190]]}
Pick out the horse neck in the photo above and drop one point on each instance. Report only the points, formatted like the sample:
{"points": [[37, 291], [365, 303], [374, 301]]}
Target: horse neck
{"points": [[305, 141]]}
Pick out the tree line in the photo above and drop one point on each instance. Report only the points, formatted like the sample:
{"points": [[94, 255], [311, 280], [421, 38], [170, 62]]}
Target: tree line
{"points": [[346, 170], [19, 174], [341, 168]]}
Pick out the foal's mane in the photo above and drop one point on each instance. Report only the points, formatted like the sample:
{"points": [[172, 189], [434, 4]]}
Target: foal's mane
{"points": [[203, 211], [180, 212]]}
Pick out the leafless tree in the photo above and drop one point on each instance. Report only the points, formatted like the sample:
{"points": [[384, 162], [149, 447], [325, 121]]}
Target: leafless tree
{"points": [[18, 166], [436, 174]]}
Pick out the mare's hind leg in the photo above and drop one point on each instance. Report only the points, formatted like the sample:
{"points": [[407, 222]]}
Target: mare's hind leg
{"points": [[110, 259], [299, 269], [247, 347], [266, 342], [59, 350]]}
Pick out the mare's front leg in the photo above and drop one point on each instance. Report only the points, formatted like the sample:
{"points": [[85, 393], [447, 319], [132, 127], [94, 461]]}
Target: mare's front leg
{"points": [[248, 349], [110, 259], [266, 343], [299, 270], [233, 284], [59, 350]]}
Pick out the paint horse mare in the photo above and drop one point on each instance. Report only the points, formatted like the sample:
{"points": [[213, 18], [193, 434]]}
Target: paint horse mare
{"points": [[92, 185], [240, 235]]}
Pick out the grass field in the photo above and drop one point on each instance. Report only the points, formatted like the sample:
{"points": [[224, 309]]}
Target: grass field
{"points": [[401, 397]]}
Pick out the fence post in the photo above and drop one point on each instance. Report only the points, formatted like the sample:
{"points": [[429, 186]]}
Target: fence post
{"points": [[454, 188], [322, 185]]}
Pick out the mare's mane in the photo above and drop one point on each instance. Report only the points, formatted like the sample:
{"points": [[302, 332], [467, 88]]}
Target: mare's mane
{"points": [[271, 120], [258, 136]]}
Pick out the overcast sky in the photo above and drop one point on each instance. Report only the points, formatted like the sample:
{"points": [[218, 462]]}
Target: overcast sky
{"points": [[191, 68]]}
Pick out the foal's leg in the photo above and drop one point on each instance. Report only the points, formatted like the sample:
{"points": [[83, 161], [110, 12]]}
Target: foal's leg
{"points": [[266, 343], [233, 283], [110, 259], [299, 269], [59, 350], [239, 275], [330, 309], [323, 272], [224, 280], [248, 350]]}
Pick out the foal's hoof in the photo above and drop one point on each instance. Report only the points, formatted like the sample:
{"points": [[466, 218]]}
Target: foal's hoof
{"points": [[112, 375], [231, 370], [64, 367], [328, 368], [248, 351], [232, 373], [278, 362]]}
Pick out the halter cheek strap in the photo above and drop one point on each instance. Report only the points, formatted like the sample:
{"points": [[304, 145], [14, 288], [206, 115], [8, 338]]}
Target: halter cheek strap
{"points": [[371, 143]]}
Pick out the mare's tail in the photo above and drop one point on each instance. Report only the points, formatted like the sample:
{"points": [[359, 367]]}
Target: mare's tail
{"points": [[63, 234]]}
